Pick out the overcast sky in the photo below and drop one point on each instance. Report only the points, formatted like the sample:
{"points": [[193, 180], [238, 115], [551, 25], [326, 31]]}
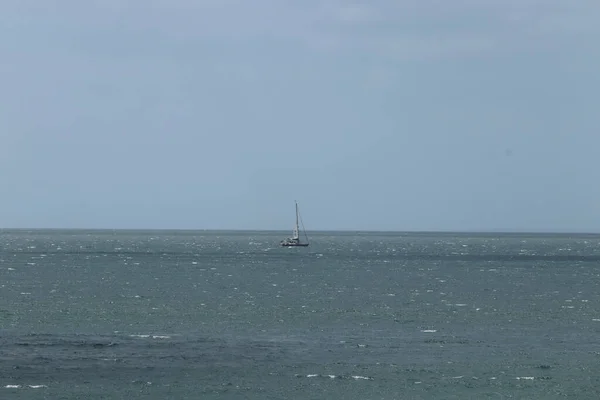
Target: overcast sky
{"points": [[374, 115]]}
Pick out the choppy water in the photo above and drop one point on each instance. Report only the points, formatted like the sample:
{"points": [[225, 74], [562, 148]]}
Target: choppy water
{"points": [[188, 315]]}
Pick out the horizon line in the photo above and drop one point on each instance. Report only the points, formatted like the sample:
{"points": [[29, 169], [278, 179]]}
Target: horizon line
{"points": [[496, 232]]}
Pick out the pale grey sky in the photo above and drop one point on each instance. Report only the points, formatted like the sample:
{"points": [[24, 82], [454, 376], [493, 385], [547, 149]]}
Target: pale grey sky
{"points": [[374, 115]]}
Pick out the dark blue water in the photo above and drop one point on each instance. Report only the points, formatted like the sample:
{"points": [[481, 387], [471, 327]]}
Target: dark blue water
{"points": [[187, 315]]}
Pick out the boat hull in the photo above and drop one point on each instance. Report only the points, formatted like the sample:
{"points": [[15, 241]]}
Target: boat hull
{"points": [[294, 244]]}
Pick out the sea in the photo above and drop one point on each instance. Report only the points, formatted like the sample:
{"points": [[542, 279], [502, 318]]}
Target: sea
{"points": [[356, 315]]}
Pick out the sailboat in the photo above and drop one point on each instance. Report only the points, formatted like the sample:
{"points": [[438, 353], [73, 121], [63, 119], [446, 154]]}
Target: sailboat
{"points": [[294, 241]]}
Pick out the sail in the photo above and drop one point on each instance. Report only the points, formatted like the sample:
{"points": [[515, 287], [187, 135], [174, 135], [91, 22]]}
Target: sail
{"points": [[296, 227]]}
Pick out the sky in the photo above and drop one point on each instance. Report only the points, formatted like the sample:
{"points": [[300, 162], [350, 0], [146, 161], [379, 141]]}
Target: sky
{"points": [[374, 115]]}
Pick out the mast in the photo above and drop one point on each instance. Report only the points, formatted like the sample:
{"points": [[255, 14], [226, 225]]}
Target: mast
{"points": [[296, 215]]}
